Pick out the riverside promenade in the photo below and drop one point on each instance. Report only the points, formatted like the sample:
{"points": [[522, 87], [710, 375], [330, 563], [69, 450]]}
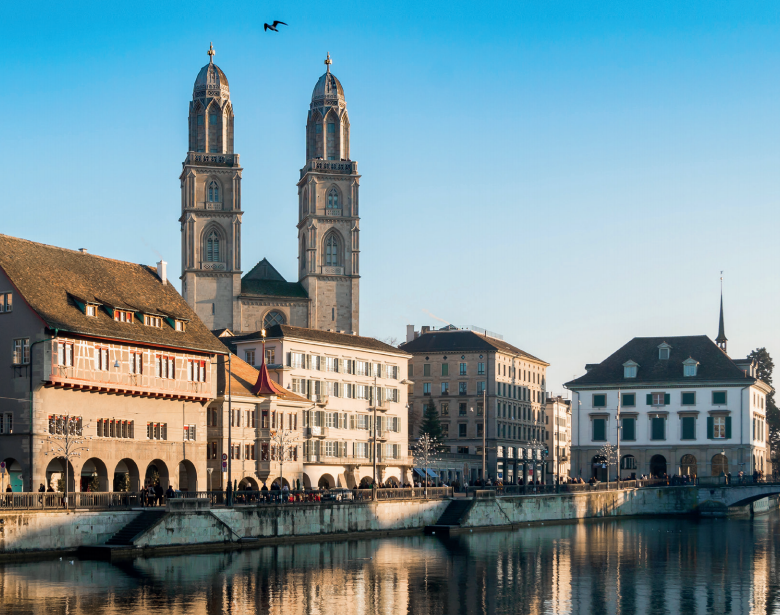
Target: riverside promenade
{"points": [[195, 524]]}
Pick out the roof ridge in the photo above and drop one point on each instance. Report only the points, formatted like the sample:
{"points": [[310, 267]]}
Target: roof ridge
{"points": [[77, 251]]}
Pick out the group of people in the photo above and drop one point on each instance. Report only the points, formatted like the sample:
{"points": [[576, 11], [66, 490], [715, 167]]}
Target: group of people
{"points": [[153, 494]]}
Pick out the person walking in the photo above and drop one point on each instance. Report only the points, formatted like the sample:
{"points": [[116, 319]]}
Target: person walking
{"points": [[158, 494]]}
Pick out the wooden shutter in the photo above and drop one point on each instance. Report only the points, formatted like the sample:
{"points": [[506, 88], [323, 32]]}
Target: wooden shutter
{"points": [[710, 427], [728, 428], [628, 429], [649, 399], [667, 399]]}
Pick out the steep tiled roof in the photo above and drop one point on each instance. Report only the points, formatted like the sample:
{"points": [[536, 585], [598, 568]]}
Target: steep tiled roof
{"points": [[273, 288], [315, 335], [244, 377], [462, 341], [51, 280], [714, 364]]}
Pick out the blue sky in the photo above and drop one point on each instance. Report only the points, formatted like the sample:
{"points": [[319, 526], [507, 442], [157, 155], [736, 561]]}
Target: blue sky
{"points": [[569, 174]]}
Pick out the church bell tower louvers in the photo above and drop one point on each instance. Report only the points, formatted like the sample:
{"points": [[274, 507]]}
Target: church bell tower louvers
{"points": [[329, 223], [211, 204]]}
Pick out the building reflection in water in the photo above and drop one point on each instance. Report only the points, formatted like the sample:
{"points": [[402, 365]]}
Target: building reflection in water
{"points": [[620, 567]]}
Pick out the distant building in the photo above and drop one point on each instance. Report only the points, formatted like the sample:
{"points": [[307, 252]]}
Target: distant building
{"points": [[557, 417], [685, 406], [455, 370], [326, 294], [342, 378], [107, 350]]}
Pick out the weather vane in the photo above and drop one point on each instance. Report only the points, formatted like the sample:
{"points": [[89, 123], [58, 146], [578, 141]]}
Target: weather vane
{"points": [[211, 53], [328, 61]]}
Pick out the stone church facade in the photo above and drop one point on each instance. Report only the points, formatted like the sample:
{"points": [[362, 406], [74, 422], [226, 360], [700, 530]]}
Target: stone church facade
{"points": [[326, 294]]}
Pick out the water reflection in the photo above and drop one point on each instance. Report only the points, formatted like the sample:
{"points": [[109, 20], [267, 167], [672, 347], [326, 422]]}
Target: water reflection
{"points": [[638, 566]]}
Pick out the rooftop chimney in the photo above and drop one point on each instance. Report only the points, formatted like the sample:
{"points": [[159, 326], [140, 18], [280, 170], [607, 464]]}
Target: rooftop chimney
{"points": [[409, 333], [83, 250], [425, 329], [162, 267]]}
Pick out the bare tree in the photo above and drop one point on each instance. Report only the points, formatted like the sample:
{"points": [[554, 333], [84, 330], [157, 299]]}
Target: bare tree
{"points": [[609, 453], [283, 442], [426, 452], [66, 442]]}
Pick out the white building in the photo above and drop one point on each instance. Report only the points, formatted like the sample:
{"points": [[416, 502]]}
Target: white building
{"points": [[557, 415], [343, 376], [685, 408]]}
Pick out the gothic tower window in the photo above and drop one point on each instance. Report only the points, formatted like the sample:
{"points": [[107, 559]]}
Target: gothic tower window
{"points": [[274, 317], [214, 132], [333, 199], [213, 192], [331, 141], [332, 251], [201, 134], [303, 254], [212, 247]]}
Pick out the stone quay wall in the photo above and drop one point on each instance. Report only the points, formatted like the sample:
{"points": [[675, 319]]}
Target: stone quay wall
{"points": [[31, 531]]}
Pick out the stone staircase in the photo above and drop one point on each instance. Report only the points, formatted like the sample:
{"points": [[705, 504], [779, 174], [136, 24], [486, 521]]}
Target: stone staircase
{"points": [[451, 518], [137, 526]]}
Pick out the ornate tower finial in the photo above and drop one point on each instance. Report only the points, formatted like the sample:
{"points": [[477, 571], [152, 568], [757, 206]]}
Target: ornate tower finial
{"points": [[211, 53], [721, 340], [328, 61]]}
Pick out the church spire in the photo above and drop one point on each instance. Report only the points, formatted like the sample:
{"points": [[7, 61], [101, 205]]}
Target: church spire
{"points": [[721, 340]]}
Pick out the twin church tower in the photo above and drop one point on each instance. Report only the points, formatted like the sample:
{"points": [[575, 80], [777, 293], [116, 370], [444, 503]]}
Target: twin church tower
{"points": [[326, 295]]}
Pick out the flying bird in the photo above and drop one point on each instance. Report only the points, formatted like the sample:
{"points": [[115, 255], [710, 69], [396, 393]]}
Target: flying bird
{"points": [[267, 27]]}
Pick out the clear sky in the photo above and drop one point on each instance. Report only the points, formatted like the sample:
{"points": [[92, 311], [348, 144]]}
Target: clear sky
{"points": [[569, 174]]}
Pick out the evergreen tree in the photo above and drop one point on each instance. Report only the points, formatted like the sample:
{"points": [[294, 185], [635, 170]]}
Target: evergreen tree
{"points": [[764, 373], [431, 424]]}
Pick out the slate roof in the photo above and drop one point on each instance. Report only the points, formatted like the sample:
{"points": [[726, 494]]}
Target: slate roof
{"points": [[272, 288], [315, 335], [243, 378], [462, 341], [714, 364], [52, 279]]}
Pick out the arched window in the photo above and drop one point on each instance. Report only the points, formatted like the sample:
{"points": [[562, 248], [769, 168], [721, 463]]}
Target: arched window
{"points": [[212, 247], [333, 199], [332, 251], [213, 192], [274, 317]]}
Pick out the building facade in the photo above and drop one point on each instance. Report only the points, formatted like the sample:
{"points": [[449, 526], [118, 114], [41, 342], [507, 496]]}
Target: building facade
{"points": [[109, 352], [685, 407], [557, 417], [326, 294], [343, 379], [458, 371]]}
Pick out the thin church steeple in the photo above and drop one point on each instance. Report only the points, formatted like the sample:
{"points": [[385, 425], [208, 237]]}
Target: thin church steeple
{"points": [[721, 340]]}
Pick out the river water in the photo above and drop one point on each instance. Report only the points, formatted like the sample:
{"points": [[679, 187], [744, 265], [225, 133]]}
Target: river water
{"points": [[626, 566]]}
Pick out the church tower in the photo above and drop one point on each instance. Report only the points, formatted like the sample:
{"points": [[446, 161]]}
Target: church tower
{"points": [[211, 204], [328, 227]]}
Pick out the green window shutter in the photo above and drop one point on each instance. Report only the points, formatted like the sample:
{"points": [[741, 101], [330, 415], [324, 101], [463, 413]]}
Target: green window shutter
{"points": [[658, 429], [688, 428], [728, 428], [629, 429], [598, 429], [649, 399], [709, 427], [667, 399]]}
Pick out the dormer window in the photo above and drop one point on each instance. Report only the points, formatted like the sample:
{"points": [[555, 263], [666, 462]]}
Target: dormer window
{"points": [[123, 316], [690, 366], [663, 351], [152, 321], [91, 310], [630, 369], [180, 325]]}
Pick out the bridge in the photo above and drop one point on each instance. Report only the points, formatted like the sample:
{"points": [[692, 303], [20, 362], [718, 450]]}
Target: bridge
{"points": [[715, 494]]}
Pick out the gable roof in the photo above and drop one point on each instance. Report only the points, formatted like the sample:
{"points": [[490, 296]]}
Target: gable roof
{"points": [[714, 364], [244, 378], [462, 340], [264, 271], [315, 335], [265, 281], [51, 280]]}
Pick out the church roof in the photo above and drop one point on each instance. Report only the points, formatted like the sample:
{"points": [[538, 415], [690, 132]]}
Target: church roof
{"points": [[211, 74], [265, 281], [271, 288], [54, 281]]}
